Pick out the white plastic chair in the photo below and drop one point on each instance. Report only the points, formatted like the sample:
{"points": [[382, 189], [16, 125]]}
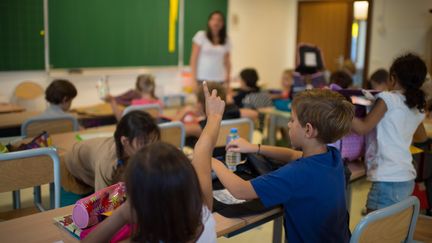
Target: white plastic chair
{"points": [[25, 169], [395, 223]]}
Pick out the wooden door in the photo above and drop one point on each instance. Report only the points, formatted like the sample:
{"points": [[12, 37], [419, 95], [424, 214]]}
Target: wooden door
{"points": [[326, 24]]}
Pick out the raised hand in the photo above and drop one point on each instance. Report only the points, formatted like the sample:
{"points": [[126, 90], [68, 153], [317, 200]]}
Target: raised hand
{"points": [[214, 104]]}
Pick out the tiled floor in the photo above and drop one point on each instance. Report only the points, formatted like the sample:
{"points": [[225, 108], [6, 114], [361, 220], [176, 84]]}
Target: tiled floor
{"points": [[256, 235]]}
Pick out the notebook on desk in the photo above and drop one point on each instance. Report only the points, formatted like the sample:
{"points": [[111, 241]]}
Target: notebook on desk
{"points": [[67, 223]]}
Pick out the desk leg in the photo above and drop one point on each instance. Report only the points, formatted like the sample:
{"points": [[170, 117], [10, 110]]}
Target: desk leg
{"points": [[52, 195], [37, 194], [277, 230], [272, 130], [348, 196], [16, 199]]}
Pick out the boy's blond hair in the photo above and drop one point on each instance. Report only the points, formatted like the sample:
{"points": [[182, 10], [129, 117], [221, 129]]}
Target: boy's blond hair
{"points": [[327, 111]]}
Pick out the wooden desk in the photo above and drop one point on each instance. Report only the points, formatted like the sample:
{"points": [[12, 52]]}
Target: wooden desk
{"points": [[8, 120], [428, 126], [358, 170], [40, 227], [8, 108], [10, 123], [99, 110]]}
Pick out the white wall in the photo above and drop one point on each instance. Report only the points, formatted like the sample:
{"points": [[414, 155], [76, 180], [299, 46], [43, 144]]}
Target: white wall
{"points": [[264, 37], [399, 26]]}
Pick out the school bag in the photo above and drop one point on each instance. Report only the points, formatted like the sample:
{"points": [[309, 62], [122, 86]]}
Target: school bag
{"points": [[254, 166], [352, 146]]}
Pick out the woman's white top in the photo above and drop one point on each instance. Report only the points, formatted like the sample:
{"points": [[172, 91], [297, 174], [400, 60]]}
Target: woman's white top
{"points": [[388, 153], [209, 232], [210, 63]]}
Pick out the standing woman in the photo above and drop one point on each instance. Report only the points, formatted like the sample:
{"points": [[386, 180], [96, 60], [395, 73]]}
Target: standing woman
{"points": [[210, 58]]}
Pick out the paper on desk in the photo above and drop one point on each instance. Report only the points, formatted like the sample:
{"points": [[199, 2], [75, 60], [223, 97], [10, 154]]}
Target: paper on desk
{"points": [[87, 136], [225, 196]]}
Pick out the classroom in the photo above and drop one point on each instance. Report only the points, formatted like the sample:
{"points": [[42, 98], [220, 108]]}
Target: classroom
{"points": [[216, 121]]}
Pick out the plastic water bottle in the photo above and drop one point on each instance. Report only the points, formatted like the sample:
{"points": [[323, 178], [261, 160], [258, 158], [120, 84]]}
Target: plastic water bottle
{"points": [[103, 87], [232, 159]]}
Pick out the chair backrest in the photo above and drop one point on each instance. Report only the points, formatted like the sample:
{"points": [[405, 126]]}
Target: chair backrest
{"points": [[28, 168], [244, 126], [28, 90], [153, 109], [34, 126], [29, 95], [173, 133], [395, 223]]}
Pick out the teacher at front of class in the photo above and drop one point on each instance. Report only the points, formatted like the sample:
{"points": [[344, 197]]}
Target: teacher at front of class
{"points": [[210, 57]]}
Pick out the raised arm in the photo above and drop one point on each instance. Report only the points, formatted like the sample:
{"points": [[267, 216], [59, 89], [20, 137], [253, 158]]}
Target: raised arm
{"points": [[365, 125], [206, 142], [117, 110], [278, 153]]}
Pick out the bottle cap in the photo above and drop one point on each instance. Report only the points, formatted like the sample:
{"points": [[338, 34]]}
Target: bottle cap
{"points": [[233, 130]]}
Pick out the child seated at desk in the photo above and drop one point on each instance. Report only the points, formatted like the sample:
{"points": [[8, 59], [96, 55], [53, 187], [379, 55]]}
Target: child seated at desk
{"points": [[311, 186], [143, 94], [194, 118], [249, 94], [59, 94], [169, 198], [286, 83], [342, 79], [100, 162]]}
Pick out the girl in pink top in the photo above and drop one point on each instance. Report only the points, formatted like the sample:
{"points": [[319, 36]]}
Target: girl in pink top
{"points": [[144, 95]]}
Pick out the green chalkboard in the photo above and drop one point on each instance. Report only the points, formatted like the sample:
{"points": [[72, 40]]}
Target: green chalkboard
{"points": [[104, 33], [96, 33], [21, 42]]}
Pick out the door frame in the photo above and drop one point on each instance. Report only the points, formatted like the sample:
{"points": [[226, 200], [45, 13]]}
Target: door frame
{"points": [[348, 47]]}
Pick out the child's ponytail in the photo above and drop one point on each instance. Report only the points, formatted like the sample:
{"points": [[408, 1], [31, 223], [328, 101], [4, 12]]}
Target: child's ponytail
{"points": [[415, 97], [410, 72]]}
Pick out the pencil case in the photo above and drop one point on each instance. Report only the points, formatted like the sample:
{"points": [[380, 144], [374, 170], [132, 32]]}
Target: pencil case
{"points": [[89, 211]]}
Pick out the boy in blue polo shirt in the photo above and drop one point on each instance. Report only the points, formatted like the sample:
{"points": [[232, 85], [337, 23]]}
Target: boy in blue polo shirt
{"points": [[311, 187]]}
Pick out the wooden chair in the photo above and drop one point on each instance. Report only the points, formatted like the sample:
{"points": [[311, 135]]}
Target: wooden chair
{"points": [[29, 94], [34, 126], [153, 109], [244, 126], [29, 168], [395, 223], [173, 133]]}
